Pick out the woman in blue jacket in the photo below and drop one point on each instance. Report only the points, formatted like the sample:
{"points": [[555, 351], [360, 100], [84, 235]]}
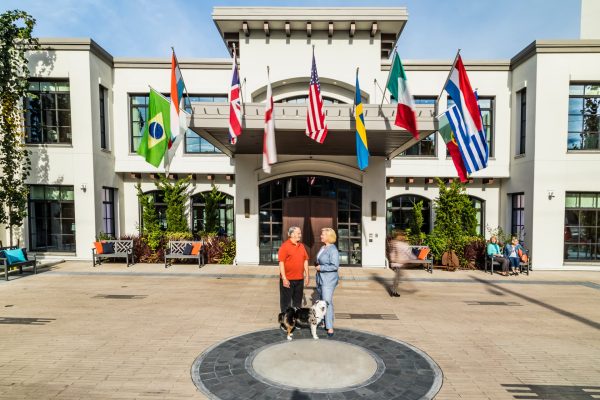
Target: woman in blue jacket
{"points": [[511, 251], [327, 265]]}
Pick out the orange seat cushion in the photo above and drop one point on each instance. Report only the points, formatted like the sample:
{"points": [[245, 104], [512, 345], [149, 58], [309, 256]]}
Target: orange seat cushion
{"points": [[423, 254], [196, 248], [98, 246]]}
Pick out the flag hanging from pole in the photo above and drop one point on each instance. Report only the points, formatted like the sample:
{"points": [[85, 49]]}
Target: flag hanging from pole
{"points": [[459, 89], [155, 138], [362, 149], [269, 147], [445, 130], [474, 152], [316, 128], [406, 116], [235, 105], [178, 117]]}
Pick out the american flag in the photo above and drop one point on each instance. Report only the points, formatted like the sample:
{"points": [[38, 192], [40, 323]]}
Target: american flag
{"points": [[316, 128], [235, 105]]}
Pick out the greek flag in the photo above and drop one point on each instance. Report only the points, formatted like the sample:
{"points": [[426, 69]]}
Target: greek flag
{"points": [[474, 152]]}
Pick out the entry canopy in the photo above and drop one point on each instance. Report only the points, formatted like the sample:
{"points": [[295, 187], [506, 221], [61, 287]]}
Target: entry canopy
{"points": [[211, 121]]}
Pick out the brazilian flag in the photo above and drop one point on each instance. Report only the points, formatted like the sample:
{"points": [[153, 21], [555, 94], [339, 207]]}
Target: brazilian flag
{"points": [[157, 132]]}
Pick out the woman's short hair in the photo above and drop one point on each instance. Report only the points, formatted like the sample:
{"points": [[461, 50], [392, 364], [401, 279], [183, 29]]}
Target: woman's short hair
{"points": [[330, 235]]}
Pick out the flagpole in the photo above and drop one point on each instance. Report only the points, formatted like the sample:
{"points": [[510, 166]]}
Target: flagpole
{"points": [[447, 79], [394, 51], [355, 94]]}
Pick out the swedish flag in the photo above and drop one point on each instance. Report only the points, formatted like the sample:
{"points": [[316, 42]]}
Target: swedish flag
{"points": [[362, 149]]}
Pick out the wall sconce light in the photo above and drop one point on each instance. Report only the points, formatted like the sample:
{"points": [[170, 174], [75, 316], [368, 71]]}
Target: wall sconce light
{"points": [[429, 181], [551, 194], [390, 179], [83, 187], [246, 208], [410, 180], [210, 177], [373, 210]]}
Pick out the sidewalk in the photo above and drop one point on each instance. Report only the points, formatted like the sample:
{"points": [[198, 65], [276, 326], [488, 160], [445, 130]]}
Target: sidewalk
{"points": [[115, 332]]}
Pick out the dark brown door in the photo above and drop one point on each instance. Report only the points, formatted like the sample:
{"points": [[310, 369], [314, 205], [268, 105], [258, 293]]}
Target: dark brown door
{"points": [[311, 215]]}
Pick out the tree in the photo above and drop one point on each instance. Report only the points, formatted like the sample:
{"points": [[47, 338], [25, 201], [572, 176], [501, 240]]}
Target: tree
{"points": [[455, 218], [150, 228], [176, 195], [211, 201], [15, 165], [415, 232]]}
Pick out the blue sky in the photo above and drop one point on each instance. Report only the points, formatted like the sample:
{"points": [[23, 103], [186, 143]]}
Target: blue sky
{"points": [[483, 29]]}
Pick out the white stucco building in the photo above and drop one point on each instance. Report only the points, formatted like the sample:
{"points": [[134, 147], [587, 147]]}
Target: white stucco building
{"points": [[540, 108]]}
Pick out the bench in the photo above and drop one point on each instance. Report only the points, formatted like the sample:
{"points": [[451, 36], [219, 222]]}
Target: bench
{"points": [[523, 266], [175, 250], [123, 249], [427, 263], [29, 263]]}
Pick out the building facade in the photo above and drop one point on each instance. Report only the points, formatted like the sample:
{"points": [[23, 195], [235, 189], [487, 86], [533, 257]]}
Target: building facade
{"points": [[540, 109]]}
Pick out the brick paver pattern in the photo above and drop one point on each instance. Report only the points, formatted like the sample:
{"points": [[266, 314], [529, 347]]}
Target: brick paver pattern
{"points": [[117, 333]]}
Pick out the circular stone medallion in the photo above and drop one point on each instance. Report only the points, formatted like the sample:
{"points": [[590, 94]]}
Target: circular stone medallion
{"points": [[313, 365], [351, 365]]}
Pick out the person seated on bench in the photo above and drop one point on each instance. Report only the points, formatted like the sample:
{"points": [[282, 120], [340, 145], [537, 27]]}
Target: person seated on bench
{"points": [[400, 251], [493, 251], [512, 252]]}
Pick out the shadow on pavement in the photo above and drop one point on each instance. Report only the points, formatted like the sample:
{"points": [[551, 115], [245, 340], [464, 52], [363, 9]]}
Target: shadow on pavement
{"points": [[568, 314]]}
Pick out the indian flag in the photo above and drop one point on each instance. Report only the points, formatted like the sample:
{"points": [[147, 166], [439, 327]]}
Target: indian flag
{"points": [[406, 116]]}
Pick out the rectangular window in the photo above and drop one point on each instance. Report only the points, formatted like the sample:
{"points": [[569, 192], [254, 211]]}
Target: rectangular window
{"points": [[426, 146], [103, 93], [517, 224], [108, 211], [138, 106], [48, 112], [582, 226], [193, 142], [522, 96], [51, 218], [584, 115], [486, 105]]}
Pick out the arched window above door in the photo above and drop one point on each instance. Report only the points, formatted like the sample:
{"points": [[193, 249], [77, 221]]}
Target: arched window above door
{"points": [[225, 219], [479, 205], [400, 212]]}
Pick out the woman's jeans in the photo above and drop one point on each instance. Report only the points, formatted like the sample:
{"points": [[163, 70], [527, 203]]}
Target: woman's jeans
{"points": [[514, 262], [326, 293]]}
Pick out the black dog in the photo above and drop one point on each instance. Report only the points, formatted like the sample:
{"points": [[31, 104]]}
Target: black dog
{"points": [[303, 318]]}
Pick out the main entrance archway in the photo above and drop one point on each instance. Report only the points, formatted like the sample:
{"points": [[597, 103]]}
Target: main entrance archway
{"points": [[311, 202]]}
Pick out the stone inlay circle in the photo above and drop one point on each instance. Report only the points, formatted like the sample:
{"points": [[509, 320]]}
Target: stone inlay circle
{"points": [[225, 371], [313, 365]]}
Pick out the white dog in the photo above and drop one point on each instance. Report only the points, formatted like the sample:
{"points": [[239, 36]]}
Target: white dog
{"points": [[303, 317]]}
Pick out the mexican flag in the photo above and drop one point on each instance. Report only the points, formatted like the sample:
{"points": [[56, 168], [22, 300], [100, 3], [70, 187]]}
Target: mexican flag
{"points": [[406, 116], [445, 131], [157, 131]]}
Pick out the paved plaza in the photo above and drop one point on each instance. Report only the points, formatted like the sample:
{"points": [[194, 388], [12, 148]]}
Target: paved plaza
{"points": [[111, 332]]}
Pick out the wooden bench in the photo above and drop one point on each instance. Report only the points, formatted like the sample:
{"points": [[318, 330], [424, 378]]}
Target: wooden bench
{"points": [[427, 263], [176, 248], [123, 249], [29, 263], [523, 266]]}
